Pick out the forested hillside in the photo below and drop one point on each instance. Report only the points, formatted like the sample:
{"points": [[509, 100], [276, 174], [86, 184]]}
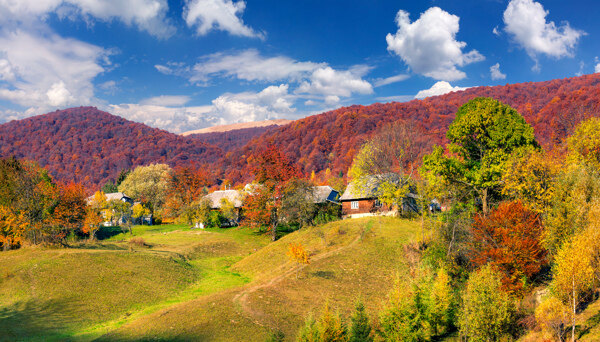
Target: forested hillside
{"points": [[330, 140], [90, 146]]}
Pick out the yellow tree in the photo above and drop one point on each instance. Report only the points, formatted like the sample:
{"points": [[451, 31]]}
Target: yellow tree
{"points": [[573, 274], [12, 228], [552, 316], [530, 177], [298, 254]]}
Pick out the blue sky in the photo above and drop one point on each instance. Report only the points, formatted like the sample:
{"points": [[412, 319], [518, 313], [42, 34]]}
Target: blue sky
{"points": [[188, 64]]}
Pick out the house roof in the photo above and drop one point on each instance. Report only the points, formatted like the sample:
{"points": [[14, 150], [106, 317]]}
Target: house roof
{"points": [[324, 193], [232, 196], [367, 188], [109, 197]]}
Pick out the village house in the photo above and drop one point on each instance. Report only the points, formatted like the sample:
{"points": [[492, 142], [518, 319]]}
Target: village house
{"points": [[360, 199], [232, 196], [324, 194]]}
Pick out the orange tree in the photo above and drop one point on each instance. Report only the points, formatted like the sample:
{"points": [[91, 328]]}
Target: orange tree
{"points": [[187, 186], [12, 228], [69, 214], [273, 170], [509, 239]]}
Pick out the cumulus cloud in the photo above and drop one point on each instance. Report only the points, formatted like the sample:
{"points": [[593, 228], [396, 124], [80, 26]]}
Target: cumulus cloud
{"points": [[312, 79], [525, 21], [223, 15], [46, 71], [389, 80], [146, 15], [248, 65], [496, 73], [166, 100], [439, 88], [429, 46], [597, 68], [173, 119], [270, 103], [327, 81]]}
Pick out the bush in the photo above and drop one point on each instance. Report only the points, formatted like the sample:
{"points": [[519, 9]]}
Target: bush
{"points": [[138, 241]]}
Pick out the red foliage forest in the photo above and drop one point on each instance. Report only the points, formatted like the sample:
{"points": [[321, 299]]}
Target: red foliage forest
{"points": [[90, 146], [330, 140]]}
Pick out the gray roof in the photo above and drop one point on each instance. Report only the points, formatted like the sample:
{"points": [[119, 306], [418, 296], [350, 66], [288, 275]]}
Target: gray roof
{"points": [[324, 193], [110, 196], [232, 196], [355, 191]]}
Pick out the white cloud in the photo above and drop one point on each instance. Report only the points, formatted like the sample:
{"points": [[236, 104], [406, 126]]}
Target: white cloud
{"points": [[396, 98], [496, 73], [46, 70], [147, 15], [429, 46], [223, 15], [249, 65], [525, 21], [597, 68], [327, 81], [389, 80], [439, 88], [173, 119], [166, 100], [496, 31], [270, 103]]}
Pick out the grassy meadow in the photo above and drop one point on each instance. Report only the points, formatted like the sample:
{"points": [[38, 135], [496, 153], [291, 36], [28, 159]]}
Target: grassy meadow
{"points": [[175, 284]]}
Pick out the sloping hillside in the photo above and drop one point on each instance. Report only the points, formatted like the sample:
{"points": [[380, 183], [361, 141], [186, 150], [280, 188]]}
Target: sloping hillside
{"points": [[233, 139], [330, 140], [91, 146]]}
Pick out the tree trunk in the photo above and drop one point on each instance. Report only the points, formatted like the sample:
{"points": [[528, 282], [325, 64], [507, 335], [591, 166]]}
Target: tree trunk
{"points": [[484, 201]]}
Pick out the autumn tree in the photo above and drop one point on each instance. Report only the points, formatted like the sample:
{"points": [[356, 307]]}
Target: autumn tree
{"points": [[297, 203], [552, 316], [271, 166], [187, 185], [149, 184], [487, 312], [509, 239], [584, 143], [531, 176], [258, 208], [13, 228], [138, 210], [298, 254], [482, 136], [393, 151], [329, 327], [573, 275]]}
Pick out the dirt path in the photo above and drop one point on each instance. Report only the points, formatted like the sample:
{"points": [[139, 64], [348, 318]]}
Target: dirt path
{"points": [[242, 297]]}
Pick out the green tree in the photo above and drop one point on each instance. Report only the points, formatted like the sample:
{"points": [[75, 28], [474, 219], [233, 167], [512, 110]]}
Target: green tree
{"points": [[442, 310], [148, 184], [328, 328], [297, 203], [360, 329], [487, 312], [482, 136]]}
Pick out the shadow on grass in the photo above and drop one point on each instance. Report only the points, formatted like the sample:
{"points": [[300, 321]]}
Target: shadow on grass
{"points": [[179, 338], [107, 232], [37, 321]]}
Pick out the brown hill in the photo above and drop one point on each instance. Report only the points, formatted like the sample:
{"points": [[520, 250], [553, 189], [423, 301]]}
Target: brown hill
{"points": [[91, 146], [234, 139]]}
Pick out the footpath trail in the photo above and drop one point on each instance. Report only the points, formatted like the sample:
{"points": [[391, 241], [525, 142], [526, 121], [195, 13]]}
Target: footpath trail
{"points": [[242, 298]]}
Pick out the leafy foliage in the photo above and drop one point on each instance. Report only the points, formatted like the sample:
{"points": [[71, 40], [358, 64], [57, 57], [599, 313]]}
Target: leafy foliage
{"points": [[509, 239], [487, 312]]}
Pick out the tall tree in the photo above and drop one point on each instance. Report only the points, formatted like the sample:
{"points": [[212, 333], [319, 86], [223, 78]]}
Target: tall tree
{"points": [[150, 184], [482, 136]]}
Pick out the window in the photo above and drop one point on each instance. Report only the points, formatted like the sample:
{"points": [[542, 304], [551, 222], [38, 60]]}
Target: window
{"points": [[377, 203], [354, 205]]}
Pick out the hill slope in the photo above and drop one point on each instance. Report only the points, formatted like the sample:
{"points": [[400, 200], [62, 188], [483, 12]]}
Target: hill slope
{"points": [[330, 140], [234, 139], [91, 146]]}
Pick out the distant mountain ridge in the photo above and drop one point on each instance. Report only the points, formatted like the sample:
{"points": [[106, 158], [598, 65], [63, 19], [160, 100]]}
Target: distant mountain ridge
{"points": [[91, 146], [238, 126]]}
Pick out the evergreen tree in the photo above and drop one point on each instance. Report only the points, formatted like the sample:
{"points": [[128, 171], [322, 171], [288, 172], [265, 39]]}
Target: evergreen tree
{"points": [[360, 330]]}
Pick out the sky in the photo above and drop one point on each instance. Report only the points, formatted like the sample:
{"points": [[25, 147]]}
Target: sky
{"points": [[188, 64]]}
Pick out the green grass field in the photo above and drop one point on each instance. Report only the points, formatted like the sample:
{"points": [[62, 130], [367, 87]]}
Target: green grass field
{"points": [[201, 285]]}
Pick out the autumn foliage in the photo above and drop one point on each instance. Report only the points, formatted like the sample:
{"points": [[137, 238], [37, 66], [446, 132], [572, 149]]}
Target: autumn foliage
{"points": [[509, 240]]}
